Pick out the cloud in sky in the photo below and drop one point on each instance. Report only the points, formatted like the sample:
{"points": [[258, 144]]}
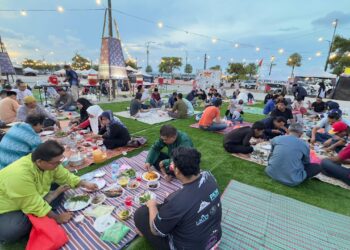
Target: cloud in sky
{"points": [[292, 25]]}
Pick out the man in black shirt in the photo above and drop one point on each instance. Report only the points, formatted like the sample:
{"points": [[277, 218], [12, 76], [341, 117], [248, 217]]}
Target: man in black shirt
{"points": [[238, 140], [189, 218], [299, 92], [274, 126], [282, 110], [318, 106], [136, 105]]}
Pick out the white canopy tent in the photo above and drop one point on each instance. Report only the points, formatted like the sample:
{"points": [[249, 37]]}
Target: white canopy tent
{"points": [[30, 70], [129, 68]]}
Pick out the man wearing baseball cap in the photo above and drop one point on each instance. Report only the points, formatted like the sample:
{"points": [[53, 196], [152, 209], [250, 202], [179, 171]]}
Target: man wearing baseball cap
{"points": [[339, 133], [30, 106]]}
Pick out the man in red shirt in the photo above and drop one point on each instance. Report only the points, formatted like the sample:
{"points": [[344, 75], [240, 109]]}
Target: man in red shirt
{"points": [[333, 168], [210, 119]]}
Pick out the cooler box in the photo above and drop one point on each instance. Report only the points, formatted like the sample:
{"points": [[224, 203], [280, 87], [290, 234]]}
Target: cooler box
{"points": [[53, 79], [92, 79]]}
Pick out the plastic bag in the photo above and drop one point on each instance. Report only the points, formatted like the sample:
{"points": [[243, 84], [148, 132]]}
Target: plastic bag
{"points": [[115, 233], [46, 234]]}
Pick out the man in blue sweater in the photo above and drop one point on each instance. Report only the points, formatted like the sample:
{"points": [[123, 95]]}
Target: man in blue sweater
{"points": [[270, 105], [289, 160]]}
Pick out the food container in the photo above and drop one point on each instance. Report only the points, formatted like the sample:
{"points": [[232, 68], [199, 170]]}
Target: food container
{"points": [[99, 156], [76, 160], [152, 185], [123, 181], [124, 213], [98, 200]]}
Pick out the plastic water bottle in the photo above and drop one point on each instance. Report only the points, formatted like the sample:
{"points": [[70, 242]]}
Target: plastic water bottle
{"points": [[115, 168]]}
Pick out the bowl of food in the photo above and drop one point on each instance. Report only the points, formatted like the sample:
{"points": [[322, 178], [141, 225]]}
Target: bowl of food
{"points": [[60, 134], [123, 181], [124, 213], [142, 198], [131, 173], [134, 184], [98, 199], [151, 176], [76, 160], [152, 185], [113, 191]]}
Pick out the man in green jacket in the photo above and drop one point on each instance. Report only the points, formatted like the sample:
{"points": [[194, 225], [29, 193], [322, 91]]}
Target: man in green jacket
{"points": [[25, 189], [171, 138]]}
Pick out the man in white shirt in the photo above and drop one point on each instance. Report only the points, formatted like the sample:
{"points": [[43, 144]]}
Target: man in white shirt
{"points": [[22, 91]]}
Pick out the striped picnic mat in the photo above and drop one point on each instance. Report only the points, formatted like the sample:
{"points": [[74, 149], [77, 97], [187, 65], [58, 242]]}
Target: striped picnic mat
{"points": [[228, 129], [257, 219], [84, 236]]}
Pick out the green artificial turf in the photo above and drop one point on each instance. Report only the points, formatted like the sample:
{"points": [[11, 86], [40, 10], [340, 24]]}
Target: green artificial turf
{"points": [[226, 167]]}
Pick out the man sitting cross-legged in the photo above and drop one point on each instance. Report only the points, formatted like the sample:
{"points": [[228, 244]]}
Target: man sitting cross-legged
{"points": [[170, 138], [289, 160]]}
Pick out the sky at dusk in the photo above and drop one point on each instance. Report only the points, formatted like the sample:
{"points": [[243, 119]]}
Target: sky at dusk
{"points": [[270, 25]]}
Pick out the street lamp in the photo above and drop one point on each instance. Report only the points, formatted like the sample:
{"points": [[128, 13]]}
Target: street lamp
{"points": [[335, 24]]}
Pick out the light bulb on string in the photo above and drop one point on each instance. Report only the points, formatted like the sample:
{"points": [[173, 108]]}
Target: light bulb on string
{"points": [[98, 2], [214, 40], [257, 49], [23, 13], [281, 51], [160, 25], [320, 39], [310, 58], [60, 9], [318, 53], [219, 58], [236, 45]]}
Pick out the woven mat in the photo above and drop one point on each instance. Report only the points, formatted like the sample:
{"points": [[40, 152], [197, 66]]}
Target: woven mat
{"points": [[151, 117], [320, 176], [84, 236], [227, 129], [253, 218]]}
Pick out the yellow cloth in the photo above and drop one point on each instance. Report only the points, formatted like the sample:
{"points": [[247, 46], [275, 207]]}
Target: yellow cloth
{"points": [[8, 110], [29, 99], [23, 186]]}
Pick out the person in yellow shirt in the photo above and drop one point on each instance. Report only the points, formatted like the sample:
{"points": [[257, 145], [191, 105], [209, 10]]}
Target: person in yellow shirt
{"points": [[25, 189], [9, 107]]}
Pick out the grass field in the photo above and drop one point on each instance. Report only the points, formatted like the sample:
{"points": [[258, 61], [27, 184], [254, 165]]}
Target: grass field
{"points": [[226, 167]]}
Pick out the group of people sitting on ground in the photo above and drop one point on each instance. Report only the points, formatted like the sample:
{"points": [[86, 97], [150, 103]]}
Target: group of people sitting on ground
{"points": [[289, 159]]}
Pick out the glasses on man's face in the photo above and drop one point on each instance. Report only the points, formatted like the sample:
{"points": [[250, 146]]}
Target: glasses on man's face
{"points": [[55, 163]]}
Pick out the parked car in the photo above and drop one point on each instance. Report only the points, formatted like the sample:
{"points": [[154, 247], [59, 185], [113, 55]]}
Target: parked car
{"points": [[248, 84]]}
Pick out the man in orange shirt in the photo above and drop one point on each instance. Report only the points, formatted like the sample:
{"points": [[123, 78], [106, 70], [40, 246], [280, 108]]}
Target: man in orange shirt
{"points": [[210, 120], [8, 107]]}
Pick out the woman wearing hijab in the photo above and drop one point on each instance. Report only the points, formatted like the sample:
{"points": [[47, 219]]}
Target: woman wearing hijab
{"points": [[82, 104], [93, 112], [112, 131]]}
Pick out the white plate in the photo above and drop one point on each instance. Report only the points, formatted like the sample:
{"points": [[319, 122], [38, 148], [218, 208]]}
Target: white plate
{"points": [[45, 133], [87, 177], [12, 124], [76, 206], [99, 182], [99, 173], [137, 200], [143, 176], [266, 147], [103, 223]]}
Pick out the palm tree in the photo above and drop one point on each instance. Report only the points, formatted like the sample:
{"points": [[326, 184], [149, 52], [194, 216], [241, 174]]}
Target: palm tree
{"points": [[294, 60]]}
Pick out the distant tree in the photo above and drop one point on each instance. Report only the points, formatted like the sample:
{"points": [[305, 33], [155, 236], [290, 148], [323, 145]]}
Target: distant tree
{"points": [[188, 69], [237, 70], [340, 58], [294, 60], [39, 65], [216, 67], [251, 69], [81, 63], [149, 69], [168, 64], [131, 63]]}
